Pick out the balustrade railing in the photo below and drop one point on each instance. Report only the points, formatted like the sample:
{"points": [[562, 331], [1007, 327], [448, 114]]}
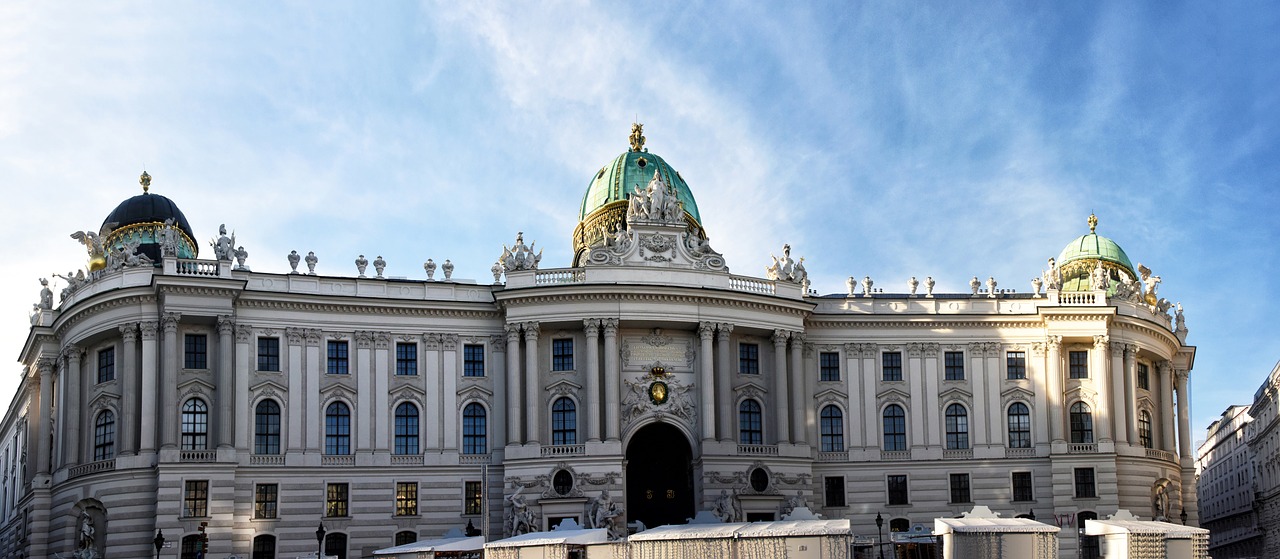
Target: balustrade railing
{"points": [[957, 453], [1161, 455], [185, 267], [337, 460], [406, 459], [840, 456], [553, 277], [743, 283], [1082, 448], [93, 468], [1019, 452], [895, 455], [266, 460], [564, 450], [758, 449], [474, 459], [198, 456]]}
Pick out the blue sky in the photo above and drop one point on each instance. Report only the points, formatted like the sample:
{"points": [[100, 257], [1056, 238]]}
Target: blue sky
{"points": [[877, 138]]}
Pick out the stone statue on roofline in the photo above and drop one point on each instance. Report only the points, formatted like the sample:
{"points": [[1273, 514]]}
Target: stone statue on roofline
{"points": [[786, 269], [362, 263], [928, 286], [168, 240], [379, 265], [224, 246], [1036, 284], [975, 285], [1052, 277], [519, 256], [1099, 279], [912, 284], [241, 256], [46, 295]]}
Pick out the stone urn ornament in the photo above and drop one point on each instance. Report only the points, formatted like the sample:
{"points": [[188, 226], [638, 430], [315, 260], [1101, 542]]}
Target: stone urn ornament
{"points": [[311, 263], [379, 265], [361, 264], [430, 267], [294, 258], [448, 269]]}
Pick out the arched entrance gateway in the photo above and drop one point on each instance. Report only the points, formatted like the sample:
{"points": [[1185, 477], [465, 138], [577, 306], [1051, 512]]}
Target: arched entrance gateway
{"points": [[659, 476]]}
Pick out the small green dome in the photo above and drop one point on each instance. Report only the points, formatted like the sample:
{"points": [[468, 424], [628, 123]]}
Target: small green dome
{"points": [[616, 181], [1078, 259]]}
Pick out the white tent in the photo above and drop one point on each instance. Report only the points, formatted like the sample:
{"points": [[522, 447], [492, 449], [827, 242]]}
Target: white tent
{"points": [[1125, 536], [430, 549], [986, 536], [745, 540], [556, 544]]}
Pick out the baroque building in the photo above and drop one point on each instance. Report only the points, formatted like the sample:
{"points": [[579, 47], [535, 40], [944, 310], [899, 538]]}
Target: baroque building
{"points": [[184, 394], [1262, 434], [1226, 483]]}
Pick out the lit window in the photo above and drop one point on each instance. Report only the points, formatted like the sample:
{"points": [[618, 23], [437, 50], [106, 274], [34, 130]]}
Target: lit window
{"points": [[195, 499], [407, 498], [335, 500], [473, 500], [265, 497]]}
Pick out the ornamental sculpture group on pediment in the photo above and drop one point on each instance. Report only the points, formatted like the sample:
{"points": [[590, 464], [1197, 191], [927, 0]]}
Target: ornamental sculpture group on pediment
{"points": [[655, 203], [519, 256], [786, 269]]}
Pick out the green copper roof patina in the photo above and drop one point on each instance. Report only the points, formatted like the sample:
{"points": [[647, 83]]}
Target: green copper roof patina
{"points": [[1081, 255], [616, 181]]}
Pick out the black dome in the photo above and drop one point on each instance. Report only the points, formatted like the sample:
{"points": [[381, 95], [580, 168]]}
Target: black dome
{"points": [[149, 208]]}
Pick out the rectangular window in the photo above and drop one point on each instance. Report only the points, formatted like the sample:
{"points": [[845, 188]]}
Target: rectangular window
{"points": [[406, 359], [1022, 487], [335, 500], [107, 364], [833, 491], [195, 499], [1078, 363], [960, 488], [954, 361], [829, 366], [472, 499], [268, 354], [264, 500], [1144, 377], [195, 351], [748, 359], [562, 354], [891, 363], [338, 357], [1085, 486], [473, 360], [1016, 361], [407, 498], [898, 490]]}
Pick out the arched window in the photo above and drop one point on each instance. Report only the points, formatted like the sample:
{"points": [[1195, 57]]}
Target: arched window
{"points": [[406, 537], [1019, 426], [195, 425], [406, 429], [831, 424], [564, 422], [895, 428], [1144, 428], [266, 428], [750, 423], [104, 436], [1081, 423], [475, 432], [190, 547], [337, 429], [264, 547], [1089, 548], [900, 525], [957, 427], [335, 545]]}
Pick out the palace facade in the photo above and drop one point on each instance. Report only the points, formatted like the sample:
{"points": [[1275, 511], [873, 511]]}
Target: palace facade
{"points": [[168, 392]]}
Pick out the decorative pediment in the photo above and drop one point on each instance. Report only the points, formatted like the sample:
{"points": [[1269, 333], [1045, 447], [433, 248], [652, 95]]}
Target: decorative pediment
{"points": [[104, 401], [1084, 394], [1017, 393], [196, 387], [474, 392], [336, 392], [269, 389], [1145, 402], [830, 396], [894, 394], [563, 387], [407, 392], [750, 390], [955, 393]]}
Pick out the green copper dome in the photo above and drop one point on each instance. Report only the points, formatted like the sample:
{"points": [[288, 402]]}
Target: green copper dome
{"points": [[617, 180], [1078, 259]]}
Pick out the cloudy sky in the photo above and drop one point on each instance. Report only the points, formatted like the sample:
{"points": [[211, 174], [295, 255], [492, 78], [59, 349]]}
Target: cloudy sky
{"points": [[877, 138]]}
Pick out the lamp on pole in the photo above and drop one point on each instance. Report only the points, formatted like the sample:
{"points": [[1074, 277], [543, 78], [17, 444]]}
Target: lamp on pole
{"points": [[320, 541], [1183, 516], [159, 541], [880, 532]]}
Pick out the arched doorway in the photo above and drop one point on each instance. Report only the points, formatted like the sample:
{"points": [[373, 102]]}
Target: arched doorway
{"points": [[659, 476]]}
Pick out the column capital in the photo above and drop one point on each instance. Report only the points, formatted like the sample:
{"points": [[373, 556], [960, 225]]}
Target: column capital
{"points": [[780, 337], [798, 339], [512, 330], [1102, 341], [1117, 350], [706, 330], [591, 326], [1037, 348], [531, 330], [226, 324], [431, 342], [243, 333], [497, 343], [723, 330], [364, 339], [1130, 351], [293, 335], [610, 326], [1164, 367], [450, 341], [129, 332], [931, 349], [1054, 342], [71, 352], [313, 336], [1181, 376], [915, 349], [148, 329], [170, 322], [45, 366], [869, 350]]}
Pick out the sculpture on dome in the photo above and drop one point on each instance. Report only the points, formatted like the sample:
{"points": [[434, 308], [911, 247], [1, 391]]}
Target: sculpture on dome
{"points": [[311, 263], [1052, 277], [46, 295], [129, 255], [656, 202], [519, 256], [294, 258], [168, 240], [93, 244], [698, 246], [1149, 283], [74, 281], [379, 265], [361, 264], [636, 139], [1179, 320], [1099, 279], [223, 246]]}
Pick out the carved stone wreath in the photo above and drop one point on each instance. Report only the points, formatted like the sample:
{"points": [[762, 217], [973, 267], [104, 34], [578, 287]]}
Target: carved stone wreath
{"points": [[656, 243]]}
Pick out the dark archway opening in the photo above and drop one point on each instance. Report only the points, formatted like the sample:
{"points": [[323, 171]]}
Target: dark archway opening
{"points": [[659, 476]]}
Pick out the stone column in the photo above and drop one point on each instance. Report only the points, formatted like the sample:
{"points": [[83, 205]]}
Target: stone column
{"points": [[513, 384], [983, 373], [433, 403], [1053, 370], [383, 362], [724, 383], [1097, 372], [532, 400], [71, 386], [226, 390], [1039, 384], [929, 380], [1130, 392], [170, 408], [244, 407], [706, 381], [306, 417], [780, 386], [1189, 497], [1167, 390], [853, 382], [496, 369], [44, 424], [130, 392], [449, 395], [799, 391], [1117, 394], [612, 391], [147, 414], [591, 327]]}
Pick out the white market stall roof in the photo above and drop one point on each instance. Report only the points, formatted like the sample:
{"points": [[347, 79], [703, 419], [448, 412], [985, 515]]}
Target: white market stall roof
{"points": [[1166, 529], [990, 526], [775, 529], [554, 537], [474, 543]]}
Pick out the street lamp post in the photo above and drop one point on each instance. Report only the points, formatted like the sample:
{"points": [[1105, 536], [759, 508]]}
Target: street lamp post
{"points": [[159, 541], [1183, 516], [880, 533], [320, 541]]}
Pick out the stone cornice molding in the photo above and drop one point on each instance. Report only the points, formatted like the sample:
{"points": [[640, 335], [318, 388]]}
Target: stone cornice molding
{"points": [[878, 322], [741, 301], [352, 309], [68, 319]]}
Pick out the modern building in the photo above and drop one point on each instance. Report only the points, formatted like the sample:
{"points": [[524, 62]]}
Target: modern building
{"points": [[180, 394], [1226, 483]]}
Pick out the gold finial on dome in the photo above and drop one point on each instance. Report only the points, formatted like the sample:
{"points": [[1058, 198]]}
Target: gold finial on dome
{"points": [[145, 181], [1093, 224], [637, 137]]}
